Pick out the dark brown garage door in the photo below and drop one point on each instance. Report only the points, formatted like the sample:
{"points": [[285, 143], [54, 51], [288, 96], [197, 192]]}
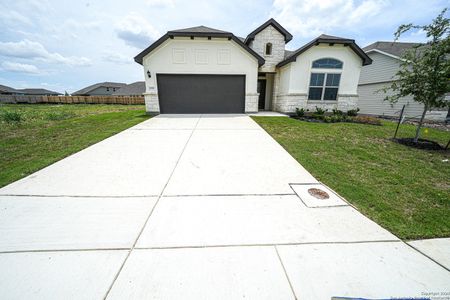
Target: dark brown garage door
{"points": [[187, 94]]}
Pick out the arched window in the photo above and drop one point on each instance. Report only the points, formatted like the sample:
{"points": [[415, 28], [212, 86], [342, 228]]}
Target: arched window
{"points": [[269, 49], [327, 63]]}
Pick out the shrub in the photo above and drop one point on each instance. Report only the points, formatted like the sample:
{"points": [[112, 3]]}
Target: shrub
{"points": [[337, 112], [366, 120], [353, 112], [319, 111], [300, 112], [11, 117]]}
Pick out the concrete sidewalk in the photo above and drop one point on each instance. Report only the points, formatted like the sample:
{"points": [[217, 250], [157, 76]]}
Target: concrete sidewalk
{"points": [[196, 207]]}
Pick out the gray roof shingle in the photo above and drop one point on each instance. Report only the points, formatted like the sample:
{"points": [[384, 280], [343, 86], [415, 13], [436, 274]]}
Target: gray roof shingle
{"points": [[7, 89], [90, 88], [199, 29], [132, 89], [32, 91], [393, 48]]}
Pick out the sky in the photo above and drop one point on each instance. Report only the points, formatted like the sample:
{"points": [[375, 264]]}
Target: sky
{"points": [[66, 45]]}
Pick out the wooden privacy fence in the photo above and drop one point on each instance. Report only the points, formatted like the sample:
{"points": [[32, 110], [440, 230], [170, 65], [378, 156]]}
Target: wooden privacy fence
{"points": [[72, 99]]}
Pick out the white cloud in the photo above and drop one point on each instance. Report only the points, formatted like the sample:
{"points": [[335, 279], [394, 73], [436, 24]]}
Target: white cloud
{"points": [[27, 49], [161, 3], [20, 68], [309, 18], [136, 31], [117, 58]]}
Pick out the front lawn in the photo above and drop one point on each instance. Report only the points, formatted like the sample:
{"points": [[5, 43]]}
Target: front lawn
{"points": [[33, 136], [405, 190]]}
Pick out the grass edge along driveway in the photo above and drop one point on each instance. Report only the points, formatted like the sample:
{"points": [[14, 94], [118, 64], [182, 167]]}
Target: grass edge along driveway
{"points": [[404, 190], [33, 136]]}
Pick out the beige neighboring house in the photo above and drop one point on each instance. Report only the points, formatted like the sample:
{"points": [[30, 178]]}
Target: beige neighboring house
{"points": [[206, 70], [386, 59], [100, 89]]}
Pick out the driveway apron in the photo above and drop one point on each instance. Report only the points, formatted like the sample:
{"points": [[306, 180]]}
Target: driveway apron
{"points": [[196, 207]]}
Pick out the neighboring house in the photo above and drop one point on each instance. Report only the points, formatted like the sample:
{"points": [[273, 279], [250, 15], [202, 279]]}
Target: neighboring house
{"points": [[205, 70], [133, 89], [6, 90], [100, 89], [37, 92], [386, 57]]}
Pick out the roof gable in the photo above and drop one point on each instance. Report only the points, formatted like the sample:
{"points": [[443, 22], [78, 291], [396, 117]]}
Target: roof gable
{"points": [[329, 39], [199, 31], [275, 24]]}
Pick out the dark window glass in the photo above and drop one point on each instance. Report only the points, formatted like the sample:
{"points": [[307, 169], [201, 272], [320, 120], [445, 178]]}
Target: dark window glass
{"points": [[317, 79], [268, 49], [333, 79], [328, 63], [330, 94], [315, 93]]}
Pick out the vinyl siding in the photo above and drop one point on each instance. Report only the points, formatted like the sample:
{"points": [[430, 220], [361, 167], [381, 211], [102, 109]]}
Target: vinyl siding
{"points": [[382, 69], [371, 103]]}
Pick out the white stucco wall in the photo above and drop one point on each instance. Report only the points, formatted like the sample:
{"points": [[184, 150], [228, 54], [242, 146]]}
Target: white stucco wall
{"points": [[294, 79], [273, 36], [200, 56]]}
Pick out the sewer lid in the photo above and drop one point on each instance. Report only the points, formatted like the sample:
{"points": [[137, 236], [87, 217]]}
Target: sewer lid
{"points": [[318, 193]]}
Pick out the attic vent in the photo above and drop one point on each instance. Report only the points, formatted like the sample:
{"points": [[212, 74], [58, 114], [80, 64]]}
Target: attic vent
{"points": [[269, 49]]}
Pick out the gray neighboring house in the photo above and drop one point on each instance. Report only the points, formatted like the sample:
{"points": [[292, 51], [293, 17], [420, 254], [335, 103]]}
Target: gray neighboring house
{"points": [[37, 92], [6, 90], [386, 58], [100, 89], [133, 89]]}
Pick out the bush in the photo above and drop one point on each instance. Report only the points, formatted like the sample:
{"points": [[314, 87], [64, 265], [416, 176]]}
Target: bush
{"points": [[319, 111], [11, 117], [366, 120], [337, 112], [300, 112], [352, 112]]}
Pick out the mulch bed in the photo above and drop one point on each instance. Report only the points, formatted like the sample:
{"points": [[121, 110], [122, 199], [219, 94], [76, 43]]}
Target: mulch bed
{"points": [[421, 144]]}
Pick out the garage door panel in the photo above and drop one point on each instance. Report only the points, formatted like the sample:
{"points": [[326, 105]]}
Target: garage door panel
{"points": [[182, 93]]}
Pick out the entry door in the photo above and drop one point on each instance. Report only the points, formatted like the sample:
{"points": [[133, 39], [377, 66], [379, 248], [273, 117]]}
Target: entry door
{"points": [[190, 94], [262, 94]]}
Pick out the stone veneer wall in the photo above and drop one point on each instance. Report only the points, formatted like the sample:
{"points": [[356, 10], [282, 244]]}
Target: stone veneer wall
{"points": [[152, 103], [287, 103], [269, 35]]}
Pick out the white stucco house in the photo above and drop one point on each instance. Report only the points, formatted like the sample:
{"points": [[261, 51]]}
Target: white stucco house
{"points": [[205, 70]]}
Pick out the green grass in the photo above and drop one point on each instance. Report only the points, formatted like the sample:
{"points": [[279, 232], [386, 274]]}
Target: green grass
{"points": [[403, 189], [33, 136]]}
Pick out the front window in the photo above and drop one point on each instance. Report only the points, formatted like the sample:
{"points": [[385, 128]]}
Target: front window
{"points": [[269, 49], [324, 86]]}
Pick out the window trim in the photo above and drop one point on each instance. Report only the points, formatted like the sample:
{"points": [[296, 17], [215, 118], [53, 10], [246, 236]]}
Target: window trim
{"points": [[270, 45], [324, 86]]}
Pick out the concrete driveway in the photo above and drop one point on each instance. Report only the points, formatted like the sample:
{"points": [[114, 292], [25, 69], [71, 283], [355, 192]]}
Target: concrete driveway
{"points": [[195, 207]]}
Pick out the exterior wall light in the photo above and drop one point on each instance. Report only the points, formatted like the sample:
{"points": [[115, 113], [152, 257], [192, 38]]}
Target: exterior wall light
{"points": [[149, 74]]}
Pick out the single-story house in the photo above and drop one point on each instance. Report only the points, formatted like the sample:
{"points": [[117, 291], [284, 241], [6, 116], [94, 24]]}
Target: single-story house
{"points": [[133, 89], [100, 89], [6, 90], [37, 92], [206, 70], [386, 57]]}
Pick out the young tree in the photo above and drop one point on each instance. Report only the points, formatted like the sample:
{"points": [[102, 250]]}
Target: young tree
{"points": [[425, 69]]}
